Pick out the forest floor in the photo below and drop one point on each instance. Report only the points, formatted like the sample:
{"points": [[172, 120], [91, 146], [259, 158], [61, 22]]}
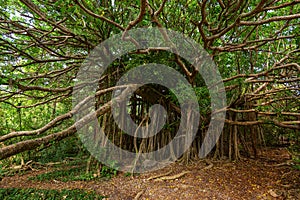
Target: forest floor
{"points": [[267, 177]]}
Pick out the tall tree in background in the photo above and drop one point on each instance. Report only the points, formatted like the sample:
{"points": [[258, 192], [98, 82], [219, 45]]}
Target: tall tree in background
{"points": [[43, 43]]}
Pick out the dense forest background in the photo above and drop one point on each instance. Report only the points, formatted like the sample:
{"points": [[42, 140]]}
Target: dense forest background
{"points": [[255, 45]]}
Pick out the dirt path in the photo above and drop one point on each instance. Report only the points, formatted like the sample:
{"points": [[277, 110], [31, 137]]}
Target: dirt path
{"points": [[263, 178]]}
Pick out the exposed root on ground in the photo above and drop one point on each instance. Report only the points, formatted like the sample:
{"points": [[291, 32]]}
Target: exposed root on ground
{"points": [[159, 175], [139, 194], [287, 163], [176, 176], [210, 165]]}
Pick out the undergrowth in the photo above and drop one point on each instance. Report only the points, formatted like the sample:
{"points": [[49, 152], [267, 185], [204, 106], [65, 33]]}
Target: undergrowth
{"points": [[38, 194], [75, 173]]}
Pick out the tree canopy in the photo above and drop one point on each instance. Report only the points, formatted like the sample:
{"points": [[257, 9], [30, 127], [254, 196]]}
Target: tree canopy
{"points": [[255, 45]]}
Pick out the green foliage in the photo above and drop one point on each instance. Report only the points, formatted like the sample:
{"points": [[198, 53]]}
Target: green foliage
{"points": [[297, 163], [37, 194], [64, 175], [108, 172], [1, 171], [76, 171], [127, 174], [59, 151], [202, 93], [295, 151]]}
